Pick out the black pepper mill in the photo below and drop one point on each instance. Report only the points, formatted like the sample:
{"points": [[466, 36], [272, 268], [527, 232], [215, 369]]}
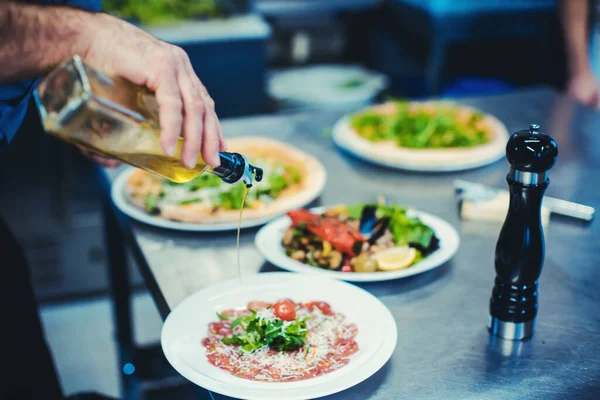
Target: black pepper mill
{"points": [[520, 248]]}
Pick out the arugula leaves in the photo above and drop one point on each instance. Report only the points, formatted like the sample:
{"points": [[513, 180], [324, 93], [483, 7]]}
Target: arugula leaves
{"points": [[230, 197], [223, 317], [423, 127], [189, 201], [259, 333], [151, 202]]}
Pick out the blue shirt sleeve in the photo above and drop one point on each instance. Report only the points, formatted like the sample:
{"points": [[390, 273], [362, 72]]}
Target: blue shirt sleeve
{"points": [[13, 110]]}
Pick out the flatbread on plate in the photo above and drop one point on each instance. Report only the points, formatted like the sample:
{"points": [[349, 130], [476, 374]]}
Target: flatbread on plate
{"points": [[388, 153], [269, 154]]}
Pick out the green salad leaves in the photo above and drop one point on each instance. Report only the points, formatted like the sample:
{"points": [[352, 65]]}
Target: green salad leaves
{"points": [[405, 229], [259, 333], [162, 11], [420, 128], [229, 197]]}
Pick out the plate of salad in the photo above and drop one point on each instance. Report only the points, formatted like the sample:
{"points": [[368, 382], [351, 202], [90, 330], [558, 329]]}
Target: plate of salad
{"points": [[423, 136], [360, 243], [292, 179], [279, 335]]}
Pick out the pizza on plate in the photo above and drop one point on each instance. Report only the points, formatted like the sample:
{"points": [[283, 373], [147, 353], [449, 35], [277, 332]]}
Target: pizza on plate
{"points": [[292, 179], [423, 134]]}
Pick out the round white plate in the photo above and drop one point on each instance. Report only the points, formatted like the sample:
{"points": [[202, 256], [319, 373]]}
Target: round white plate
{"points": [[422, 160], [187, 324], [268, 241], [119, 198], [322, 86]]}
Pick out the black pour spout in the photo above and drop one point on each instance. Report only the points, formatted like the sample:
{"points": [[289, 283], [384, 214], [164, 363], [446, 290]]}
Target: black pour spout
{"points": [[520, 247], [235, 168]]}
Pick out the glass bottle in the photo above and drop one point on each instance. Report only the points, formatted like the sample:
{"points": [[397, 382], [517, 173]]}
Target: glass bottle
{"points": [[116, 118]]}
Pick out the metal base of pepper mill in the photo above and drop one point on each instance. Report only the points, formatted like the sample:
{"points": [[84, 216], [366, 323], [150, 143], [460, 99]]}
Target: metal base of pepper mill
{"points": [[511, 330]]}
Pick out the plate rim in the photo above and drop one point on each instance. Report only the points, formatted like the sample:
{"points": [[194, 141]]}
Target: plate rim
{"points": [[341, 138], [119, 199], [298, 267], [376, 362]]}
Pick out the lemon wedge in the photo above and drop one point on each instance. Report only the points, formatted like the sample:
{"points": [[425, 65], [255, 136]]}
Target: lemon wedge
{"points": [[395, 258]]}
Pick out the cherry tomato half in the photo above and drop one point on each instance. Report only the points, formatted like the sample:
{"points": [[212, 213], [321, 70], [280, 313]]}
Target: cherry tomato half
{"points": [[284, 310]]}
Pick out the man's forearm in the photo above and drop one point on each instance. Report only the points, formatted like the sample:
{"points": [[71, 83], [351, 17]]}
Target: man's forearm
{"points": [[574, 18], [33, 39]]}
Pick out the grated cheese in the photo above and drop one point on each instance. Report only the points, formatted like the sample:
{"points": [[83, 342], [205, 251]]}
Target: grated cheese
{"points": [[322, 352]]}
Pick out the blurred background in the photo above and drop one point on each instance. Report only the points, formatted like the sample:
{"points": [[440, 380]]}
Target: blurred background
{"points": [[253, 56]]}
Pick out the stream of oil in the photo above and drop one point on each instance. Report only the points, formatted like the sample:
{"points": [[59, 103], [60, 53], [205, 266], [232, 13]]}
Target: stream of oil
{"points": [[239, 258]]}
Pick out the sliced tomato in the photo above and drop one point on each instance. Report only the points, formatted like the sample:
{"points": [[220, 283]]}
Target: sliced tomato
{"points": [[341, 236], [285, 310]]}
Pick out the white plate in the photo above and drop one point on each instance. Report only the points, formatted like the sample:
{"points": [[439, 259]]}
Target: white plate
{"points": [[268, 241], [320, 85], [422, 160], [120, 200], [187, 324]]}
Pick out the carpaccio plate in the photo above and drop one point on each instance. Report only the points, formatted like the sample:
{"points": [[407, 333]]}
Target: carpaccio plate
{"points": [[188, 324], [329, 343]]}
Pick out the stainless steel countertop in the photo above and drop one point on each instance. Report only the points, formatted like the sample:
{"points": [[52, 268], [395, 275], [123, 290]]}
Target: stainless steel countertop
{"points": [[444, 349]]}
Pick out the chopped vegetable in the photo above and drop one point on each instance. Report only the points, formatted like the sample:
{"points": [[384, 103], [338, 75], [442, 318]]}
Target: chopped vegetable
{"points": [[421, 126], [229, 197], [223, 317], [350, 238], [404, 228], [204, 180], [151, 202], [275, 333], [190, 201], [333, 230], [232, 199]]}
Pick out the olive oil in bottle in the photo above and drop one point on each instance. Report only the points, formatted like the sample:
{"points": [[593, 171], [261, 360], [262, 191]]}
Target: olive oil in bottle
{"points": [[118, 119]]}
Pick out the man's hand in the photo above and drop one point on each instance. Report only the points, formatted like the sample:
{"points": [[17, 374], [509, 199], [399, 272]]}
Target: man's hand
{"points": [[582, 85], [584, 88], [185, 107], [34, 39]]}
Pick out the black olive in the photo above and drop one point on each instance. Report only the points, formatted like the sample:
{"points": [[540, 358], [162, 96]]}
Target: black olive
{"points": [[155, 211]]}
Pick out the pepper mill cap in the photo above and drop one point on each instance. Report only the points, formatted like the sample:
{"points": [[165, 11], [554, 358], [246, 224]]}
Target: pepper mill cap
{"points": [[530, 150]]}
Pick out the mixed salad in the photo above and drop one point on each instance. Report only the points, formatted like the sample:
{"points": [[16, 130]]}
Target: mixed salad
{"points": [[359, 238], [423, 125], [209, 189], [282, 331]]}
